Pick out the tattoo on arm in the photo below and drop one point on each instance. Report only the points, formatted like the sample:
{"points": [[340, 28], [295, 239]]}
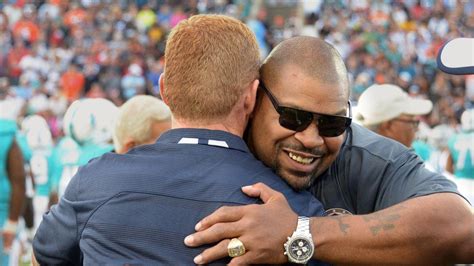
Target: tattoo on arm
{"points": [[383, 221], [342, 226]]}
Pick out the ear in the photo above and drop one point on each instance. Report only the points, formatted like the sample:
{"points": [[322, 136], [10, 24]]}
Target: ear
{"points": [[385, 127], [251, 97], [128, 145], [162, 88]]}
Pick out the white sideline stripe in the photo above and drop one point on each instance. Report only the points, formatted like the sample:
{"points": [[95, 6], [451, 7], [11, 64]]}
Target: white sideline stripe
{"points": [[219, 143], [188, 141]]}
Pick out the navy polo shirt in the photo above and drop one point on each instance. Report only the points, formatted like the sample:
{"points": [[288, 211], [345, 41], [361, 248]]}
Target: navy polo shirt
{"points": [[137, 208]]}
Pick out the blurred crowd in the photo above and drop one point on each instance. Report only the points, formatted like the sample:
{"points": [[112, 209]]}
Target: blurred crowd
{"points": [[53, 52]]}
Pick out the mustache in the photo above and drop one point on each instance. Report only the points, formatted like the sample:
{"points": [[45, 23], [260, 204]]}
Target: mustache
{"points": [[301, 148]]}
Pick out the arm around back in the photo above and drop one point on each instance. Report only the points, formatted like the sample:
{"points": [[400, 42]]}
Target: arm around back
{"points": [[437, 228]]}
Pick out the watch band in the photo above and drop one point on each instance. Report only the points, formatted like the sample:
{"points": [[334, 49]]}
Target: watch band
{"points": [[303, 225]]}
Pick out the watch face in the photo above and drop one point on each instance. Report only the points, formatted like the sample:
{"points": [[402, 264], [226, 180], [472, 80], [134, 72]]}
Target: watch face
{"points": [[300, 249]]}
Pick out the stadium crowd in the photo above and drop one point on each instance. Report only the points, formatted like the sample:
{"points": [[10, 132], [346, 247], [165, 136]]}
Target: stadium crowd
{"points": [[55, 52]]}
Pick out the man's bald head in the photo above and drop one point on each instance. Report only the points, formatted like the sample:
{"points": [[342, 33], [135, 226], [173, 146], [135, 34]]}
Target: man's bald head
{"points": [[315, 57]]}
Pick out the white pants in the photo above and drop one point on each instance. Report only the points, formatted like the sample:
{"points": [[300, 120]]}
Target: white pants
{"points": [[40, 205]]}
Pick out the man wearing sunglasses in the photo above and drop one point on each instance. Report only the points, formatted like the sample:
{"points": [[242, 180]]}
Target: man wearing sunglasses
{"points": [[389, 111], [136, 208], [301, 127]]}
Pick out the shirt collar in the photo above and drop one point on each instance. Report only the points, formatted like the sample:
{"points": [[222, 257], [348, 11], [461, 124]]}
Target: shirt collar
{"points": [[218, 138]]}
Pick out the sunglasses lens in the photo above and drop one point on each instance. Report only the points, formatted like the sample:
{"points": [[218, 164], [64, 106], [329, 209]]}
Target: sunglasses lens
{"points": [[294, 119], [332, 126], [299, 120]]}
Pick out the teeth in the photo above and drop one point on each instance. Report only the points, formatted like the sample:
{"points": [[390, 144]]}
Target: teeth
{"points": [[300, 159]]}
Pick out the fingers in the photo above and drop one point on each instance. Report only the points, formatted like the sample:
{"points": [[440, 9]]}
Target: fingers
{"points": [[219, 251], [251, 191], [216, 252], [242, 260], [261, 190], [213, 234], [222, 215]]}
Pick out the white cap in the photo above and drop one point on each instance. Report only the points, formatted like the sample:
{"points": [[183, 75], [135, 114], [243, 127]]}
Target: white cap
{"points": [[380, 103]]}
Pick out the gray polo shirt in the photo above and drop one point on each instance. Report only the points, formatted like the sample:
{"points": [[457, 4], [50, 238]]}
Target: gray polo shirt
{"points": [[372, 172]]}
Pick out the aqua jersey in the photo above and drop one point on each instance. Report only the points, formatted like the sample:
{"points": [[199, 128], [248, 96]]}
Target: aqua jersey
{"points": [[422, 149], [24, 147], [71, 156], [91, 151], [66, 154], [7, 134], [43, 166], [461, 147]]}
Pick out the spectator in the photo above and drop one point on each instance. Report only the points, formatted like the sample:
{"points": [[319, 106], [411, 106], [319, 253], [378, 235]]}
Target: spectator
{"points": [[389, 111], [72, 83], [141, 120], [133, 83], [461, 157], [12, 180]]}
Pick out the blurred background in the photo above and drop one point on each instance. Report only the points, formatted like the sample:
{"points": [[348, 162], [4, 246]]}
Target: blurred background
{"points": [[54, 52]]}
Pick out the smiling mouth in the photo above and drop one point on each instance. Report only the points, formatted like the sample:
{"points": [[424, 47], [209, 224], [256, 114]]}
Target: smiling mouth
{"points": [[300, 158]]}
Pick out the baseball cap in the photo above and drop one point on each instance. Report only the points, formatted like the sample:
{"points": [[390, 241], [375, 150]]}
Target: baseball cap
{"points": [[380, 103], [457, 56]]}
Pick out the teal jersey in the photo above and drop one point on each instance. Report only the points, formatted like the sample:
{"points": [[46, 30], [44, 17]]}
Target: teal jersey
{"points": [[8, 130], [71, 156], [42, 165], [422, 149], [66, 156], [461, 147], [24, 147], [91, 151]]}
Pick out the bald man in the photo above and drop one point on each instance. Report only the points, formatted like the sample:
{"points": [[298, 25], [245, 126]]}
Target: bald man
{"points": [[383, 205]]}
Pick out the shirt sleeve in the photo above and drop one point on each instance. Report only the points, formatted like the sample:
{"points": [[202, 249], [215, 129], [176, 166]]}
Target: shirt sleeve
{"points": [[409, 178], [56, 241], [385, 184]]}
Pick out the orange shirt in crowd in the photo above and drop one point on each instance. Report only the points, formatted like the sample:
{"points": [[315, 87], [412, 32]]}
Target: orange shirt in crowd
{"points": [[13, 61], [74, 17], [72, 83], [26, 29]]}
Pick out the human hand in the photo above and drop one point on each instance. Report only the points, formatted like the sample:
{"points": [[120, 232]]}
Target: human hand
{"points": [[263, 229]]}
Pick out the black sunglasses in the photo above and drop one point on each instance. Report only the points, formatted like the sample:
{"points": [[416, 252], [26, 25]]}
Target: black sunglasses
{"points": [[299, 120]]}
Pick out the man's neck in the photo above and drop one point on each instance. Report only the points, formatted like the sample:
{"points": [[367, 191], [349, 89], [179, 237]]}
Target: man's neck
{"points": [[223, 126]]}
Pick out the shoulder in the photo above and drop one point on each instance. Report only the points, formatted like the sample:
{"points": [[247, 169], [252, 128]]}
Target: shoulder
{"points": [[364, 144]]}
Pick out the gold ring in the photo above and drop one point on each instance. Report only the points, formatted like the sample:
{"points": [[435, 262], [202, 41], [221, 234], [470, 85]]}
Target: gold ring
{"points": [[235, 248]]}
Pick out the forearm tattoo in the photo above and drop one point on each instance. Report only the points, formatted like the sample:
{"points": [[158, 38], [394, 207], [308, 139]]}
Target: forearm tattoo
{"points": [[383, 221], [343, 227]]}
